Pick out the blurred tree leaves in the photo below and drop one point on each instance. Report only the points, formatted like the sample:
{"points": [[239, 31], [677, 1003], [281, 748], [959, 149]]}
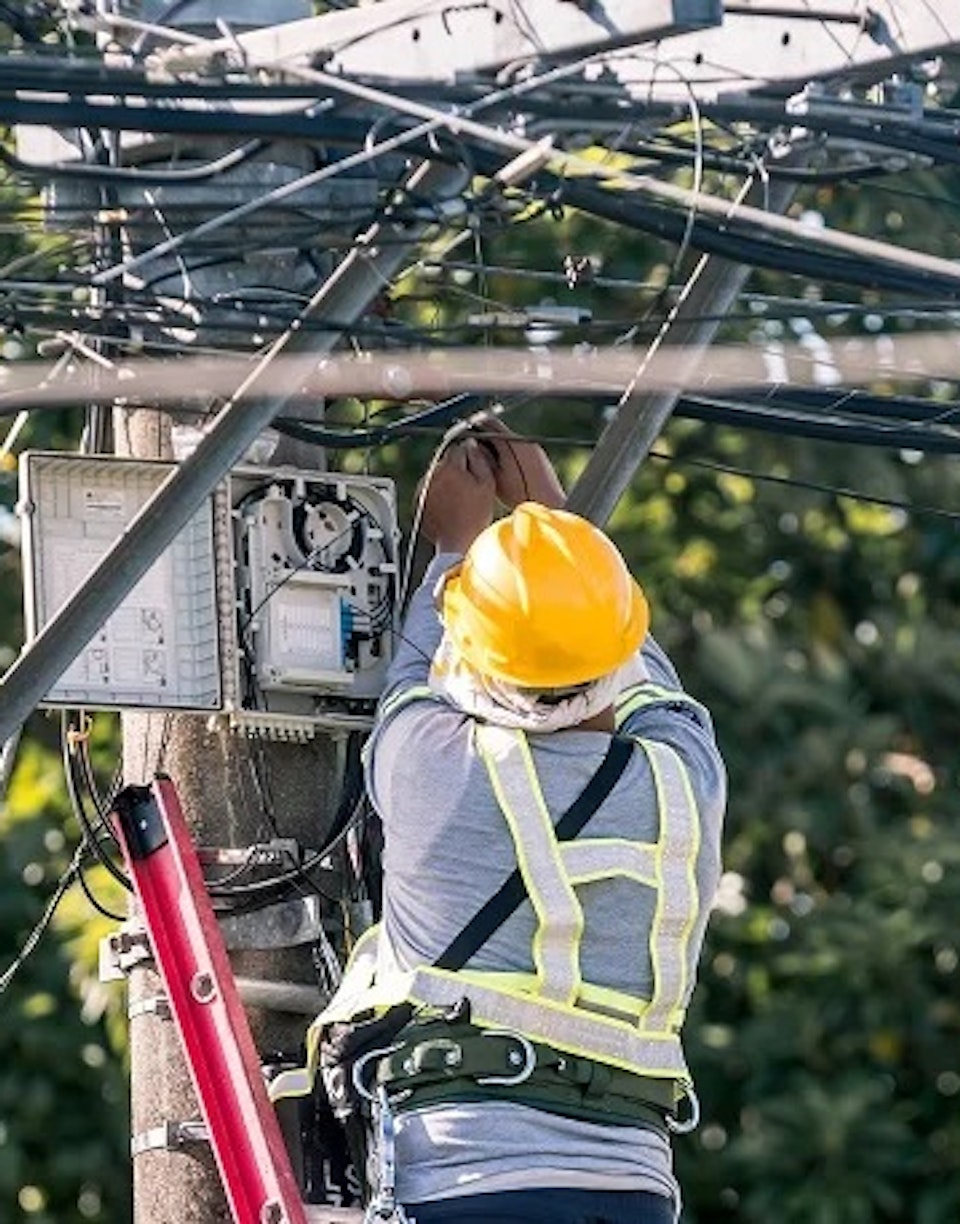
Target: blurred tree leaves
{"points": [[824, 1032], [64, 1146], [63, 1127]]}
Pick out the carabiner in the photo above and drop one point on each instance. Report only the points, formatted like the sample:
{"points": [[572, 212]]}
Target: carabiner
{"points": [[356, 1072], [686, 1125]]}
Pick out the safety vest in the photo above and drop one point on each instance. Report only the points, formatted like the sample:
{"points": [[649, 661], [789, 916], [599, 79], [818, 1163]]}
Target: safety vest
{"points": [[554, 1004]]}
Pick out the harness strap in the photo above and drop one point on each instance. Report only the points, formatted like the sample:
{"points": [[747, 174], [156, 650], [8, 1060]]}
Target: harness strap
{"points": [[513, 892], [502, 1058], [441, 1062], [622, 1044]]}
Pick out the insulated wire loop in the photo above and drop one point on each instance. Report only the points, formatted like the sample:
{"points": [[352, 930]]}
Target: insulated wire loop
{"points": [[80, 785]]}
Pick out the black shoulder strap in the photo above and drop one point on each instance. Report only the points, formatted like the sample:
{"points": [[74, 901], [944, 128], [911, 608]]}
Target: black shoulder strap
{"points": [[513, 892]]}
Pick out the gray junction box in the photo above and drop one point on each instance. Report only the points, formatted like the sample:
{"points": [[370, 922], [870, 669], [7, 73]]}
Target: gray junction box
{"points": [[276, 606]]}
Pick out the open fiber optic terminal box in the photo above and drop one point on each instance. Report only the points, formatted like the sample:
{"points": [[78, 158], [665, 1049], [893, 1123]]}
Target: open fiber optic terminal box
{"points": [[276, 605]]}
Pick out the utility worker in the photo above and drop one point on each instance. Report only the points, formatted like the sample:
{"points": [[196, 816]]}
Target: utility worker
{"points": [[540, 1079]]}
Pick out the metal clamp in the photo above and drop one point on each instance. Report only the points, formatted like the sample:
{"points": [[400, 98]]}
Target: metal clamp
{"points": [[153, 1005], [383, 1207], [121, 951], [169, 1137], [529, 1056]]}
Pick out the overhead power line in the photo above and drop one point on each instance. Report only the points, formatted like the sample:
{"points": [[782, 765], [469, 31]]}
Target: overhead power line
{"points": [[881, 263]]}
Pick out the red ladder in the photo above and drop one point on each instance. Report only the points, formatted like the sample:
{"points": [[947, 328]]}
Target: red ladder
{"points": [[192, 959]]}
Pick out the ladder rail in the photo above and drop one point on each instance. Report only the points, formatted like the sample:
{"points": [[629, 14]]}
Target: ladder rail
{"points": [[245, 1135]]}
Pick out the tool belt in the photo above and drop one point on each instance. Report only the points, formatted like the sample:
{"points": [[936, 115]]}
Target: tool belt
{"points": [[448, 1059]]}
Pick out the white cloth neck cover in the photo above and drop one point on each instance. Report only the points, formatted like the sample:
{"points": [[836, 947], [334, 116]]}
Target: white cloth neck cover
{"points": [[496, 701]]}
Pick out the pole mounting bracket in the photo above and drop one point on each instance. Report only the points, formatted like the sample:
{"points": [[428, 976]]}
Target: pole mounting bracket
{"points": [[169, 1136]]}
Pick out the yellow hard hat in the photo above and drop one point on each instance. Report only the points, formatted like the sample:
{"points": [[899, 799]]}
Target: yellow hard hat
{"points": [[543, 599]]}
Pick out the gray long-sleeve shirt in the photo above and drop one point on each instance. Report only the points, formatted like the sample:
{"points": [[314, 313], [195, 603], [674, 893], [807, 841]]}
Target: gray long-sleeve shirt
{"points": [[448, 849]]}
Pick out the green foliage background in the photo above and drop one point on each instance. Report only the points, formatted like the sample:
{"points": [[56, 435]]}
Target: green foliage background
{"points": [[822, 632], [64, 1147]]}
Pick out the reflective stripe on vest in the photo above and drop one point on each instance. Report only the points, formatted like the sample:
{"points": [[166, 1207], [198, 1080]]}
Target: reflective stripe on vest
{"points": [[571, 1030], [648, 693], [414, 692], [556, 944], [551, 870]]}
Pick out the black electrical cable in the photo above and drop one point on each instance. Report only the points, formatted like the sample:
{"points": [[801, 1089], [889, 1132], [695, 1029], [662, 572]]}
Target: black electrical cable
{"points": [[707, 234], [854, 401], [869, 124], [264, 892], [933, 132], [82, 756], [920, 136], [351, 790], [181, 121], [40, 927], [91, 837], [932, 135], [796, 482], [722, 238], [714, 159], [230, 160], [720, 411], [90, 834], [24, 18], [145, 177], [351, 806], [94, 901], [364, 436], [102, 806], [765, 477], [764, 409], [57, 73], [349, 809], [151, 322]]}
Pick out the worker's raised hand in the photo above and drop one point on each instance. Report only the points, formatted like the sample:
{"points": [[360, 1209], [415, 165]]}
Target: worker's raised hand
{"points": [[459, 497], [522, 469]]}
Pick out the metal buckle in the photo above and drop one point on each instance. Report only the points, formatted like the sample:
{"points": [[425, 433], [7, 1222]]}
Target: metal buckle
{"points": [[683, 1126], [356, 1074], [529, 1059]]}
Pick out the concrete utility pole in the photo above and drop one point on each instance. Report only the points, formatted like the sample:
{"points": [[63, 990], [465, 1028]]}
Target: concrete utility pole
{"points": [[225, 783], [231, 788], [236, 791]]}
